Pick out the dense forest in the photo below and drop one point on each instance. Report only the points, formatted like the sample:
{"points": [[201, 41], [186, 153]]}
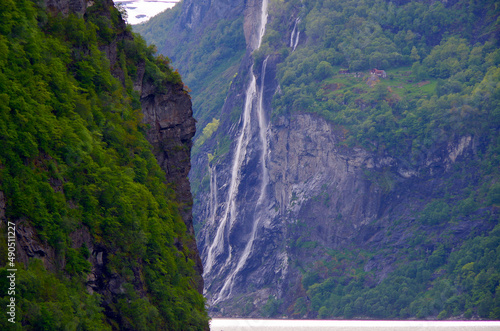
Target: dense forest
{"points": [[441, 64], [451, 49], [443, 81], [74, 161], [441, 61]]}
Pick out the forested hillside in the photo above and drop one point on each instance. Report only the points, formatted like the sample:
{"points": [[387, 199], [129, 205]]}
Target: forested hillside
{"points": [[100, 242], [385, 185], [441, 61]]}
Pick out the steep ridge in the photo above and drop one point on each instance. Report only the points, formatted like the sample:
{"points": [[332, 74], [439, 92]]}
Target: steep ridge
{"points": [[253, 112], [202, 22], [169, 116], [104, 235], [326, 191]]}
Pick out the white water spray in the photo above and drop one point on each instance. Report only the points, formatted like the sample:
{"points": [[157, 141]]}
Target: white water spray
{"points": [[263, 132], [214, 197], [294, 38], [218, 245], [228, 284]]}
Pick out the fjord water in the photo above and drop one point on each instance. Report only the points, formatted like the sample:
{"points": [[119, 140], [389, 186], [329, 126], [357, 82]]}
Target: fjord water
{"points": [[139, 11], [221, 324]]}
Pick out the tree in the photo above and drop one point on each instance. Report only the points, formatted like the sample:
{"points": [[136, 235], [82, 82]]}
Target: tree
{"points": [[414, 54], [123, 11], [323, 70]]}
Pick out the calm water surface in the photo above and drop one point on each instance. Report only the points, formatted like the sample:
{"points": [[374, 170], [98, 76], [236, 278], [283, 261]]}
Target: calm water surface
{"points": [[221, 324], [140, 11]]}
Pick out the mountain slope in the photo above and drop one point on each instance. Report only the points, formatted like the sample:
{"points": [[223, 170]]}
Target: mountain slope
{"points": [[352, 170], [202, 32], [101, 242]]}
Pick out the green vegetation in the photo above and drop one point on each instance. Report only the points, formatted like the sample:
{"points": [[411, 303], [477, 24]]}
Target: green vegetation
{"points": [[208, 59], [462, 283], [207, 132], [435, 67], [271, 307], [442, 82], [74, 158], [442, 61]]}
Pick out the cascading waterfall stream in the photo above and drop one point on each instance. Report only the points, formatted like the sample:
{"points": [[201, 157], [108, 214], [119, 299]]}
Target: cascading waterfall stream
{"points": [[228, 284], [263, 132], [254, 100], [263, 22], [294, 38], [218, 245], [214, 199]]}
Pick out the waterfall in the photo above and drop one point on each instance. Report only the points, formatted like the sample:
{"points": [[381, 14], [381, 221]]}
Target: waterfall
{"points": [[228, 284], [218, 244], [263, 22], [214, 198], [253, 101], [263, 132], [214, 203], [294, 38], [296, 41]]}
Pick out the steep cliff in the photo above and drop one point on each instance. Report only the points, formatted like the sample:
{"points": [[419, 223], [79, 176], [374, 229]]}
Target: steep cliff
{"points": [[171, 128], [202, 22], [97, 136], [326, 191]]}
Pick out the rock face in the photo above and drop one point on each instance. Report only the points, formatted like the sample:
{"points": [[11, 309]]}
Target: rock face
{"points": [[169, 116], [67, 6], [197, 15], [320, 194], [313, 175], [289, 185]]}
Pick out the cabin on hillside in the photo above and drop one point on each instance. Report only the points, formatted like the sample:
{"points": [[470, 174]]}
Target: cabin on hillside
{"points": [[379, 73]]}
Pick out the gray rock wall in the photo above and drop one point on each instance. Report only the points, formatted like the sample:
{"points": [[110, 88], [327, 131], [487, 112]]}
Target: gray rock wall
{"points": [[68, 6], [318, 181]]}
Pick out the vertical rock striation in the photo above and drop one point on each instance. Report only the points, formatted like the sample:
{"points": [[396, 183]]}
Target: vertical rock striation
{"points": [[169, 116]]}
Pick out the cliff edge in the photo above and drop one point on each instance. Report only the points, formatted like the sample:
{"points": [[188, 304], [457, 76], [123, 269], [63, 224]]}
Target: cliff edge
{"points": [[97, 136]]}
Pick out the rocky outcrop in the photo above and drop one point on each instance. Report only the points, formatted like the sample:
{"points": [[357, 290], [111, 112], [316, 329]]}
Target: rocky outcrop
{"points": [[265, 217], [314, 175], [171, 128], [30, 247], [169, 116], [68, 6]]}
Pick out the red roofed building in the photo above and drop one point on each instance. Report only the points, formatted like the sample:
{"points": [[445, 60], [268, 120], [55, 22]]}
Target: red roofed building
{"points": [[379, 73]]}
